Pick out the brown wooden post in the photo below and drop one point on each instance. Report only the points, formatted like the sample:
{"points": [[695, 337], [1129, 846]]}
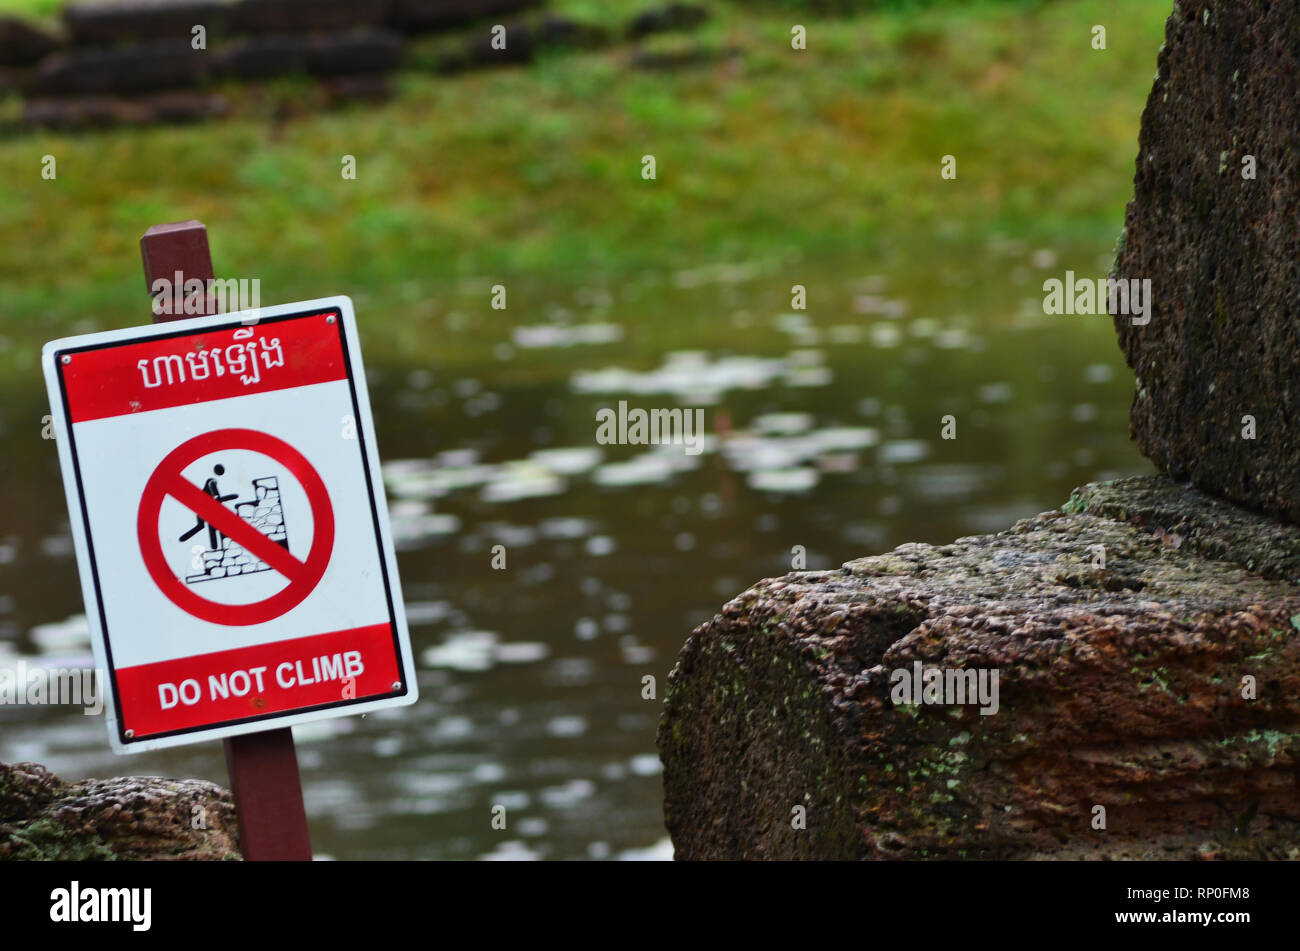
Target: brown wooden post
{"points": [[263, 766], [264, 779]]}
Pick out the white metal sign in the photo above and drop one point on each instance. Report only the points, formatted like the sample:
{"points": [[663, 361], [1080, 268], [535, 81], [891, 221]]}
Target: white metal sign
{"points": [[230, 523]]}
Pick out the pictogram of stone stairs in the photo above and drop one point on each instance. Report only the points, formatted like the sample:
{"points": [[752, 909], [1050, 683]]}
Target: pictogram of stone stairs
{"points": [[264, 513]]}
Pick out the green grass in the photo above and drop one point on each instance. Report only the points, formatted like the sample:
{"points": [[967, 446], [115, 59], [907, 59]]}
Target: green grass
{"points": [[533, 174], [42, 12]]}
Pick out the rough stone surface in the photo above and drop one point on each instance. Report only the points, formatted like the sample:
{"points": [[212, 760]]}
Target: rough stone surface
{"points": [[1222, 252], [43, 817], [1118, 686]]}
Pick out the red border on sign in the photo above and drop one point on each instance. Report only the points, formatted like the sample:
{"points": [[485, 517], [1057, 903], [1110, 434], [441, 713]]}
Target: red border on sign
{"points": [[167, 480], [280, 664], [109, 381]]}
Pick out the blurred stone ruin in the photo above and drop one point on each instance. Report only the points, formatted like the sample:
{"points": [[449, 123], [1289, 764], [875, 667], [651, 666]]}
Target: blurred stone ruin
{"points": [[136, 62], [1146, 635]]}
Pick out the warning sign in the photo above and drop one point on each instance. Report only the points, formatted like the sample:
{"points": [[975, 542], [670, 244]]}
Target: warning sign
{"points": [[230, 524]]}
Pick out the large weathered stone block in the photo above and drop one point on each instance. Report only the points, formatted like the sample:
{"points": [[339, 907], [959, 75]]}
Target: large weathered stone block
{"points": [[1212, 224], [43, 817], [1123, 687]]}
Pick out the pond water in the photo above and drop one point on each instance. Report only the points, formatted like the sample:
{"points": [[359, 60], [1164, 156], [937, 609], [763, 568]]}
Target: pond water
{"points": [[823, 441]]}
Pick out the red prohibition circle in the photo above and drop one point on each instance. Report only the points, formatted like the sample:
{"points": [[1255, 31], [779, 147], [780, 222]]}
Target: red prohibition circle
{"points": [[303, 576]]}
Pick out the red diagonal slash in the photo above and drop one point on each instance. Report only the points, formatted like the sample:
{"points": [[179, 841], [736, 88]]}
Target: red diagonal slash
{"points": [[232, 526], [303, 576]]}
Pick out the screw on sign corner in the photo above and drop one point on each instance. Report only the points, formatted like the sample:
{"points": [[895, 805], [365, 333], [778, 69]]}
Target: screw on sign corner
{"points": [[263, 767]]}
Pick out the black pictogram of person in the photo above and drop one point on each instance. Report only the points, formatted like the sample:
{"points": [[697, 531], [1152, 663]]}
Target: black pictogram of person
{"points": [[210, 487]]}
